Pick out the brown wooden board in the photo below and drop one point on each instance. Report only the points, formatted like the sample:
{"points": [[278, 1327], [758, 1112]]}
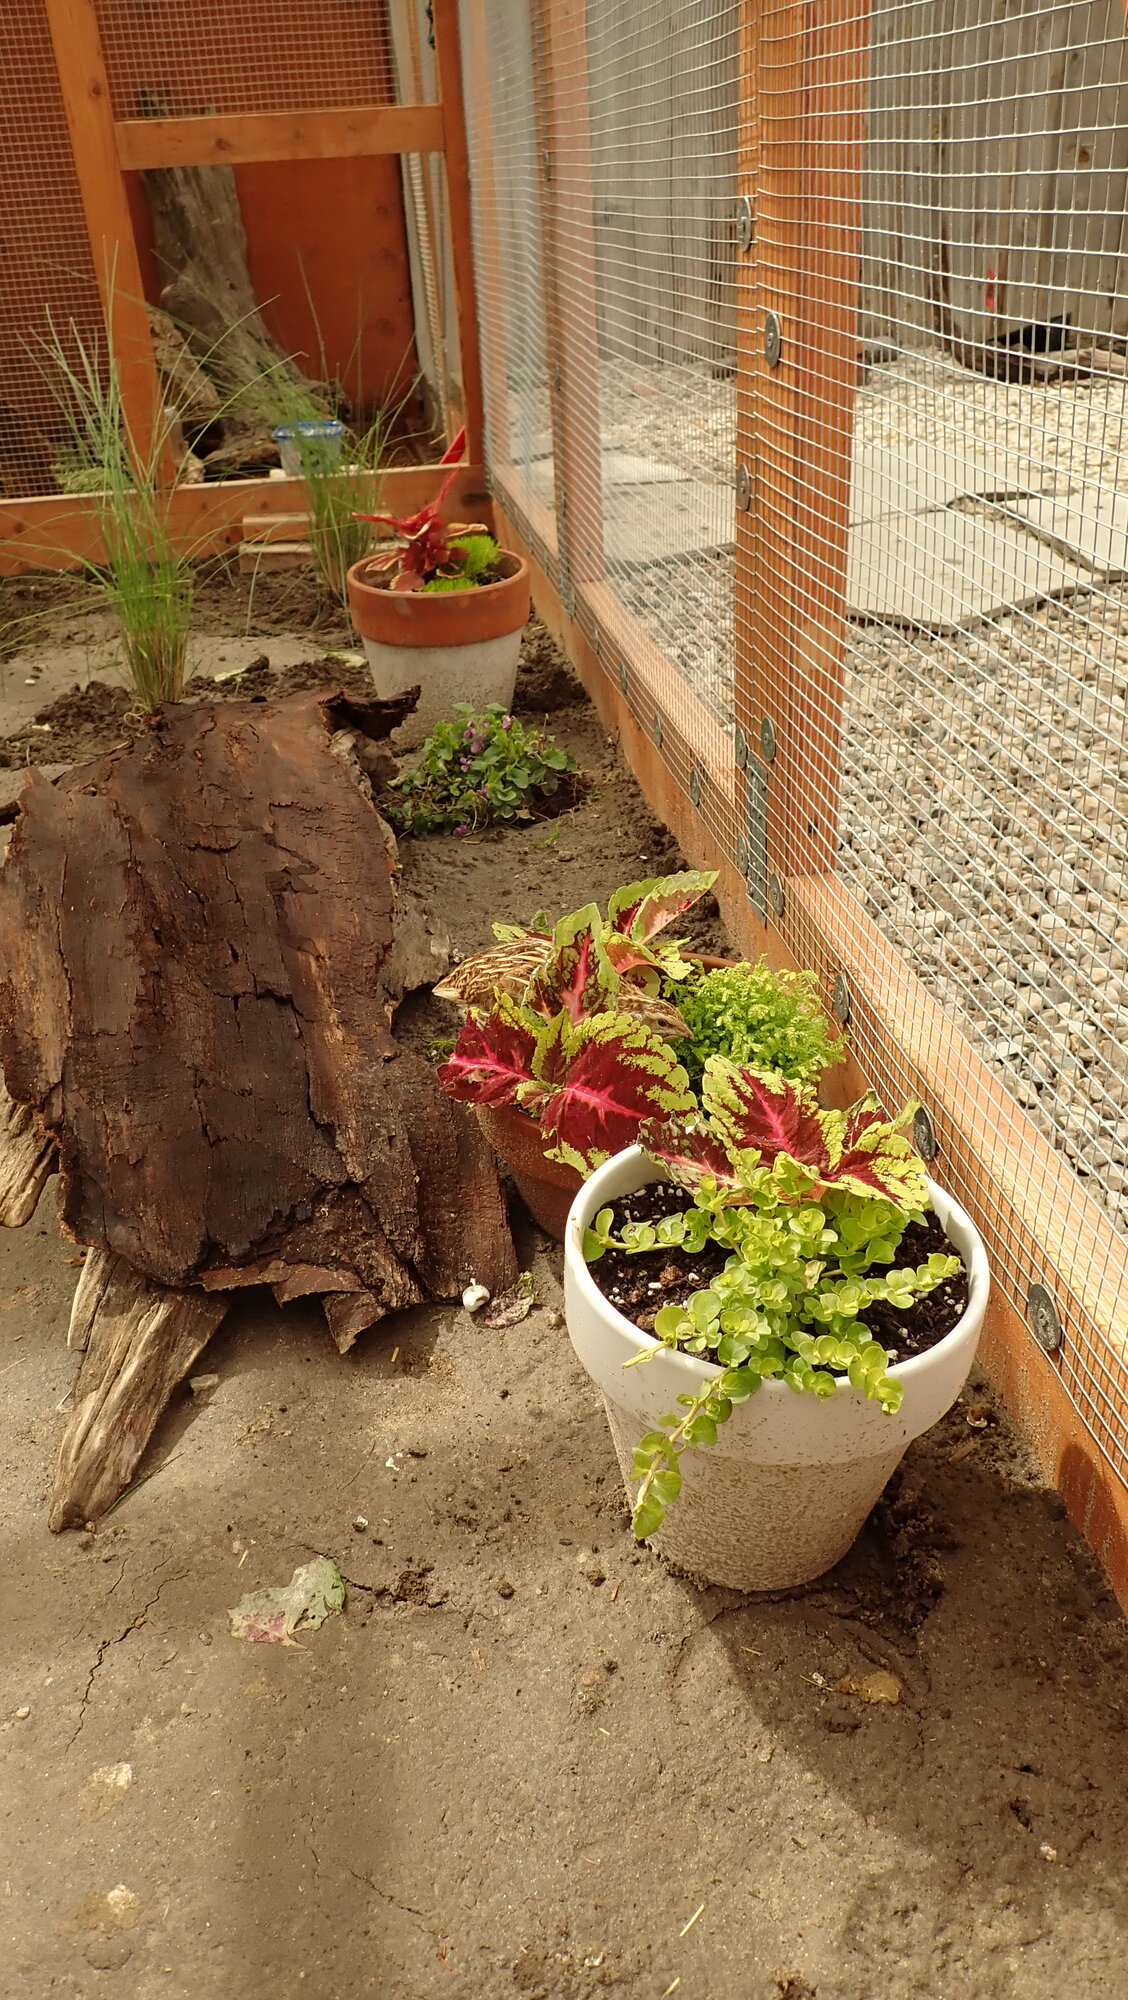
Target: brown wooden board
{"points": [[191, 936], [280, 135]]}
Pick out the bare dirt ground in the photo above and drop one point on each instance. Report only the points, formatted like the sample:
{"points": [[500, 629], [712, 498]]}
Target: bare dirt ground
{"points": [[526, 1761]]}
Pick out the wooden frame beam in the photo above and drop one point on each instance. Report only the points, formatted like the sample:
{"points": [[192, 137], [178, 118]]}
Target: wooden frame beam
{"points": [[279, 135], [86, 101], [63, 531], [448, 59]]}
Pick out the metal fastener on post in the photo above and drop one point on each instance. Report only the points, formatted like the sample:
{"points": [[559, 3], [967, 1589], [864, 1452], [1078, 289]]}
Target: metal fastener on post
{"points": [[743, 488], [924, 1136], [740, 748], [768, 740], [773, 338], [745, 222], [658, 731], [695, 787], [776, 896], [1045, 1322], [840, 999], [742, 854], [623, 676]]}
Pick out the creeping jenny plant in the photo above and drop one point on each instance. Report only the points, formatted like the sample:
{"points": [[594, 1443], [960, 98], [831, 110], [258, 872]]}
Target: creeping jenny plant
{"points": [[811, 1206]]}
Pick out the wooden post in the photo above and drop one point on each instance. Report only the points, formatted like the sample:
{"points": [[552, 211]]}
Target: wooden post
{"points": [[449, 62], [491, 337], [86, 99], [568, 248], [803, 82]]}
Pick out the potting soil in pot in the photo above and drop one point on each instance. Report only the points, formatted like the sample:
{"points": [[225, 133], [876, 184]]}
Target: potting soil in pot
{"points": [[641, 1283]]}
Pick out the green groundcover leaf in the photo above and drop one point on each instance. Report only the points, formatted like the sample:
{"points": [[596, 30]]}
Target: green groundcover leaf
{"points": [[272, 1616]]}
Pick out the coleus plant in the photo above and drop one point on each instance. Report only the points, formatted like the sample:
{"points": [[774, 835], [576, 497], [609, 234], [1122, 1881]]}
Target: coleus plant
{"points": [[571, 1049], [811, 1205], [629, 953], [568, 1023], [434, 556]]}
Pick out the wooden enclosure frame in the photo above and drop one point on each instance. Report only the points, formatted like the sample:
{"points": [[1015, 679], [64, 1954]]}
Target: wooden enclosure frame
{"points": [[800, 162], [106, 148]]}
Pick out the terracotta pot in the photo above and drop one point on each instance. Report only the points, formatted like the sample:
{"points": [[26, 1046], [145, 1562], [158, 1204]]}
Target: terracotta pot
{"points": [[547, 1188], [456, 645]]}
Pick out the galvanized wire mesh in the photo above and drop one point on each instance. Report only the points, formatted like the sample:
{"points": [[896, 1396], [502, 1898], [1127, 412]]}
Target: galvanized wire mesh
{"points": [[179, 58], [502, 122], [46, 265], [929, 603]]}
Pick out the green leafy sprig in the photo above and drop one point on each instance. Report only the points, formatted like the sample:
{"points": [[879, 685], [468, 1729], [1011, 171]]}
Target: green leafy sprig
{"points": [[478, 769], [811, 1206]]}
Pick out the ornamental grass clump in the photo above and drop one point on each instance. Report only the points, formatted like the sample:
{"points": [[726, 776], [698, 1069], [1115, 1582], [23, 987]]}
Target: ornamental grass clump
{"points": [[146, 576], [809, 1207], [479, 769]]}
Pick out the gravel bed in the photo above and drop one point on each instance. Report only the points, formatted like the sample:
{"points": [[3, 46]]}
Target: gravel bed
{"points": [[985, 772]]}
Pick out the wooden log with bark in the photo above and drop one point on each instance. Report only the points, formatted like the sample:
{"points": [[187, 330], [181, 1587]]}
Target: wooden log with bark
{"points": [[201, 248], [192, 933]]}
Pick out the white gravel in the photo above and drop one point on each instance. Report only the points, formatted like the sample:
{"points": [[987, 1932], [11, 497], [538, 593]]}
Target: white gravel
{"points": [[985, 772]]}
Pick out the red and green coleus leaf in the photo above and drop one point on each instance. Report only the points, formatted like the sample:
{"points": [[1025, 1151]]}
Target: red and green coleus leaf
{"points": [[690, 1152], [859, 1150], [604, 1077], [492, 1058], [426, 548], [642, 909], [874, 1155], [762, 1113], [577, 978]]}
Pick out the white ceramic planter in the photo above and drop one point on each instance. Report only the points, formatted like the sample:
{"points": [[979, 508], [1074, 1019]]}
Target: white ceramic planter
{"points": [[786, 1488], [481, 672]]}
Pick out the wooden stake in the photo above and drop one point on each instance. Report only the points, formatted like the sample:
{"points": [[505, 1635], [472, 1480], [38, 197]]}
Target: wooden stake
{"points": [[139, 1340]]}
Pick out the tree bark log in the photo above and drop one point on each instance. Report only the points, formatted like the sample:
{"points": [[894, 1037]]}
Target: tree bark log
{"points": [[192, 932], [27, 1161], [201, 248]]}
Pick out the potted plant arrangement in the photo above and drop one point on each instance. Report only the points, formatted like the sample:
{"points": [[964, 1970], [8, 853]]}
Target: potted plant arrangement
{"points": [[441, 607], [774, 1300], [551, 1009]]}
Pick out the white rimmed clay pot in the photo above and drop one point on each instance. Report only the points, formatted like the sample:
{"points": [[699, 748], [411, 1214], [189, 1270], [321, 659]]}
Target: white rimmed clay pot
{"points": [[786, 1488], [457, 645]]}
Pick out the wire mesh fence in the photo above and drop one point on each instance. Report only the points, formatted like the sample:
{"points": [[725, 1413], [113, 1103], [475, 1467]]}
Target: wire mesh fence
{"points": [[183, 58], [812, 325], [46, 266]]}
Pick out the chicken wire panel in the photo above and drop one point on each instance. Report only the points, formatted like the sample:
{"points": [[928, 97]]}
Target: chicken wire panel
{"points": [[502, 130], [659, 226], [183, 58], [972, 690], [46, 274]]}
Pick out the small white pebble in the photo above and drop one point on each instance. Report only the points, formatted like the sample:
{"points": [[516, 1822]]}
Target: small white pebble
{"points": [[1047, 1852], [475, 1297], [360, 1522], [23, 1713]]}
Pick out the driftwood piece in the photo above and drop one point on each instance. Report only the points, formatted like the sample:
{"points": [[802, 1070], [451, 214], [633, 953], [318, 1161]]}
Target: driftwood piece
{"points": [[139, 1341], [191, 937], [201, 249], [27, 1161]]}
